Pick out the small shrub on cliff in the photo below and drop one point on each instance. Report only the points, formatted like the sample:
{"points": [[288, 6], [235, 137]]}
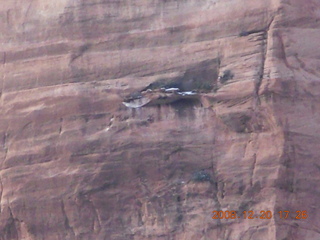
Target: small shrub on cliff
{"points": [[244, 34], [227, 75], [201, 176]]}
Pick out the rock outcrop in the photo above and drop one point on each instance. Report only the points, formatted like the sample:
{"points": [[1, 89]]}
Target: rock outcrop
{"points": [[78, 164]]}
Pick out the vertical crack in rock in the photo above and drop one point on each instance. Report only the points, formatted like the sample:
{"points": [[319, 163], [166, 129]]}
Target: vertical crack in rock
{"points": [[10, 210], [10, 230], [5, 140], [79, 52], [25, 17], [8, 16], [1, 193], [5, 148], [216, 199], [264, 50], [253, 169], [214, 182], [288, 181], [27, 11], [97, 219], [283, 54], [66, 220], [60, 128]]}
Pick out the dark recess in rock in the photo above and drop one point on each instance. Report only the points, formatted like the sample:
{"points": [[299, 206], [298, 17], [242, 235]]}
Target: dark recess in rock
{"points": [[226, 75], [200, 77], [134, 95], [184, 107], [247, 33]]}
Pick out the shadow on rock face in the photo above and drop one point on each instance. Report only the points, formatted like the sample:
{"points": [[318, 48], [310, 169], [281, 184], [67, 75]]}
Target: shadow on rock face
{"points": [[200, 77], [185, 107]]}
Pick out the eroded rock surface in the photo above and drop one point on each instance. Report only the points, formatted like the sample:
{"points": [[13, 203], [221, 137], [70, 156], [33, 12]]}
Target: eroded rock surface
{"points": [[77, 164]]}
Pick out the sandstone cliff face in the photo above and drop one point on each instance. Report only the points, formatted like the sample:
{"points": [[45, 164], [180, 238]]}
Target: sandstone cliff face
{"points": [[77, 164]]}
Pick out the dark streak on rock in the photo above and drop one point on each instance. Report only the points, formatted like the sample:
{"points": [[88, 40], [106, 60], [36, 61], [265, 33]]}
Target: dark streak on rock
{"points": [[253, 168], [10, 230], [79, 53], [247, 33], [5, 147], [66, 219], [60, 128]]}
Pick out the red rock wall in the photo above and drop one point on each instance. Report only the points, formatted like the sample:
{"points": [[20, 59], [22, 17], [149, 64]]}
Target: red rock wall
{"points": [[77, 164]]}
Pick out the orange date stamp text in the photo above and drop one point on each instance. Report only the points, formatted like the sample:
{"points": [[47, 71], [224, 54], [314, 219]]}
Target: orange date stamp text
{"points": [[259, 214]]}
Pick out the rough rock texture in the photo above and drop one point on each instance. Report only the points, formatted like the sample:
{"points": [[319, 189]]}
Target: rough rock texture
{"points": [[77, 164]]}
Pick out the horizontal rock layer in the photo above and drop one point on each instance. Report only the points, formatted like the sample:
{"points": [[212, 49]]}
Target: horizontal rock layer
{"points": [[77, 164]]}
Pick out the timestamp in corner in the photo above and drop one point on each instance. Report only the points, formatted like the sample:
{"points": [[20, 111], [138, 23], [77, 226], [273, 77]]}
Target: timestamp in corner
{"points": [[260, 214]]}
